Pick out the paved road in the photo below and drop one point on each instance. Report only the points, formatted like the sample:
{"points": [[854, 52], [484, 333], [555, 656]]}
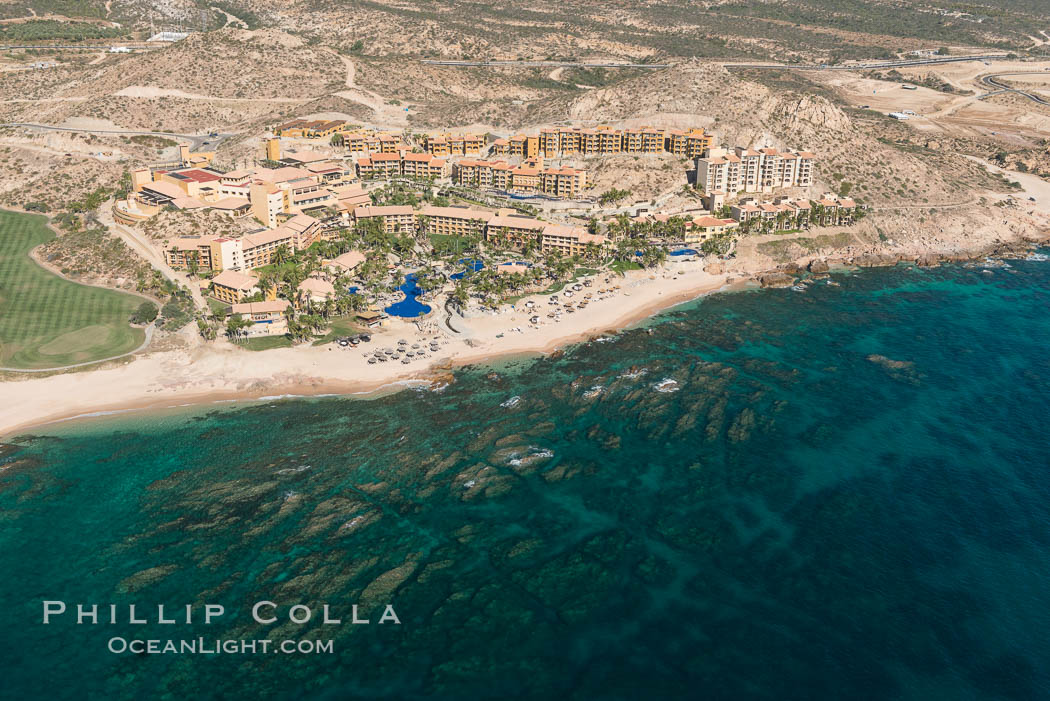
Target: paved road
{"points": [[992, 82], [546, 64], [87, 47], [197, 141], [869, 66], [140, 244]]}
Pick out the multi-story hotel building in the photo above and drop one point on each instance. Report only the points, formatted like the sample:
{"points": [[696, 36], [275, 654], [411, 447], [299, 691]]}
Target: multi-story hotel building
{"points": [[454, 221], [721, 172], [403, 164], [567, 141], [564, 183], [454, 144], [704, 227], [311, 129], [244, 253], [231, 286], [514, 231], [527, 178], [363, 143], [395, 219]]}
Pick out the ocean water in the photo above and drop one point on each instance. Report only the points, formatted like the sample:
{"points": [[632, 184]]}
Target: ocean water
{"points": [[841, 493]]}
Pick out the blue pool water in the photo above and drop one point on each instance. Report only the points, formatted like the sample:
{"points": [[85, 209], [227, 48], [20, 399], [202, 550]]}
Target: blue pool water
{"points": [[684, 252], [410, 307], [473, 266]]}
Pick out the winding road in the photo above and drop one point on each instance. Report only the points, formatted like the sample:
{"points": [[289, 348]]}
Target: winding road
{"points": [[872, 65], [991, 81], [196, 140]]}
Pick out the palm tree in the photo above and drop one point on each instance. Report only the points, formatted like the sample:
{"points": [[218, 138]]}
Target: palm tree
{"points": [[236, 325], [281, 255]]}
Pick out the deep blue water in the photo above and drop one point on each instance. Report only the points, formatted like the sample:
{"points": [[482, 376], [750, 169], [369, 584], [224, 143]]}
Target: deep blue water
{"points": [[473, 266], [842, 493], [410, 307]]}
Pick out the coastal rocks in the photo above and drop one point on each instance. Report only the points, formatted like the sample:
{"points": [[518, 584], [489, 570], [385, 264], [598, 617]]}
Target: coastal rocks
{"points": [[776, 280], [382, 588], [876, 260], [604, 439], [889, 363], [144, 578], [742, 426], [902, 370], [522, 460], [818, 266]]}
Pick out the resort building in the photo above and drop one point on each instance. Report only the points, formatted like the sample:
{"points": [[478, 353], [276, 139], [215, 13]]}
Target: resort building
{"points": [[267, 201], [244, 253], [314, 289], [564, 183], [181, 253], [363, 143], [445, 145], [782, 214], [516, 231], [269, 317], [345, 263], [568, 240], [420, 166], [453, 221], [517, 146], [528, 178], [231, 287], [394, 219], [832, 210], [705, 226], [350, 197], [309, 129], [601, 140], [727, 173]]}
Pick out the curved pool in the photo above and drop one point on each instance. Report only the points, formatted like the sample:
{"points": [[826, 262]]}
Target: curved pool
{"points": [[410, 307], [473, 266]]}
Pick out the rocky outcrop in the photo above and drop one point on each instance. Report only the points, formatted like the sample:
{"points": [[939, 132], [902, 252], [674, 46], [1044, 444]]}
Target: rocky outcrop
{"points": [[818, 266], [776, 279], [876, 260], [817, 111]]}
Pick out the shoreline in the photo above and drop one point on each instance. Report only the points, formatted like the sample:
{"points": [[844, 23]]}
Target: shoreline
{"points": [[89, 395]]}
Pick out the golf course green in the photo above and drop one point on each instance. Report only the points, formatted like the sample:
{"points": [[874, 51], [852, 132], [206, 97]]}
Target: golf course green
{"points": [[47, 321]]}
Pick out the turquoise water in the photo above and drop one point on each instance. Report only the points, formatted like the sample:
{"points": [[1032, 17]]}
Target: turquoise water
{"points": [[841, 493]]}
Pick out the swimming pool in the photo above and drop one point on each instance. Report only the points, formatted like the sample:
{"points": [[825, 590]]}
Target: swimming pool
{"points": [[410, 307], [473, 266]]}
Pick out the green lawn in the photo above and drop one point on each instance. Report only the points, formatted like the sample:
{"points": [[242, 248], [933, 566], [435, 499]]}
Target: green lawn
{"points": [[261, 343], [341, 326], [217, 306], [46, 321], [622, 266]]}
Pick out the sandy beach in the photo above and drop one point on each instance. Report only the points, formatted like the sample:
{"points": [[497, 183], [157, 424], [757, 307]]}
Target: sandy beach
{"points": [[208, 372]]}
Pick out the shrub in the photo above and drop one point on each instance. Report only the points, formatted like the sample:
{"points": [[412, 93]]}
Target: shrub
{"points": [[146, 313]]}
